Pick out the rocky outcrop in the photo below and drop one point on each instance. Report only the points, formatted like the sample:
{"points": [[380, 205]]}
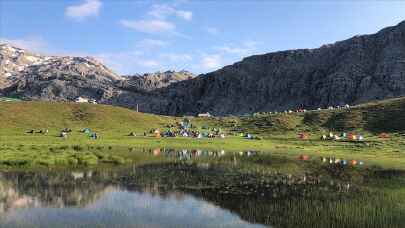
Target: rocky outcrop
{"points": [[151, 81]]}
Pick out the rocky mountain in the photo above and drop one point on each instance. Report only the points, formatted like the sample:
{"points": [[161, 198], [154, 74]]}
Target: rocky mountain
{"points": [[52, 77], [151, 81], [360, 69], [33, 76]]}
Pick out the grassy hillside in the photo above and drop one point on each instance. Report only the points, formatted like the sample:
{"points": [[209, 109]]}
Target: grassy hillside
{"points": [[113, 124], [376, 117], [18, 117]]}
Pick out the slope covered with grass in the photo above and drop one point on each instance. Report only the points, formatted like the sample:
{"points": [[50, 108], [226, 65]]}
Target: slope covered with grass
{"points": [[18, 117], [376, 117]]}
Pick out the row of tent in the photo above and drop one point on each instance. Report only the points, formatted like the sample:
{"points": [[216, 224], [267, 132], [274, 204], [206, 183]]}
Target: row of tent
{"points": [[332, 160], [343, 135]]}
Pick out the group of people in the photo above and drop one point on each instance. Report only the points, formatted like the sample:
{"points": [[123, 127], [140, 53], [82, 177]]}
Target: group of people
{"points": [[65, 132], [32, 131]]}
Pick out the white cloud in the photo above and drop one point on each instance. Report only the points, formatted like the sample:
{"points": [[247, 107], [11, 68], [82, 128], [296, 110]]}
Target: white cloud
{"points": [[186, 15], [33, 44], [149, 44], [149, 26], [210, 62], [87, 9], [162, 11], [212, 30]]}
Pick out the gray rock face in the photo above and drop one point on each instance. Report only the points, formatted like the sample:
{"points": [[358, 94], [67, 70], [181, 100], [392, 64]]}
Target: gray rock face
{"points": [[33, 76], [356, 70], [151, 81], [353, 71]]}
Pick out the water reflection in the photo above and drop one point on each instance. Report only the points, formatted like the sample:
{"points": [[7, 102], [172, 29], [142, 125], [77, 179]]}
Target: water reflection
{"points": [[102, 198], [198, 193], [186, 154]]}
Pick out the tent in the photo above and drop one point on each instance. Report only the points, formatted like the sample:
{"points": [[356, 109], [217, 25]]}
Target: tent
{"points": [[157, 133], [86, 130], [303, 157], [303, 136], [352, 136], [384, 136], [94, 136]]}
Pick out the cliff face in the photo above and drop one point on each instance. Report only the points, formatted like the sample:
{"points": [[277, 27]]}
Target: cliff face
{"points": [[151, 81], [356, 70]]}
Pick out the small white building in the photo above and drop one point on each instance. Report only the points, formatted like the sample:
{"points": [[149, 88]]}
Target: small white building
{"points": [[204, 114], [81, 100]]}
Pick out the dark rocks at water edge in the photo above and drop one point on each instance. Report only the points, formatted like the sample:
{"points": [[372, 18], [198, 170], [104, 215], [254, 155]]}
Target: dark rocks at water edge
{"points": [[357, 70]]}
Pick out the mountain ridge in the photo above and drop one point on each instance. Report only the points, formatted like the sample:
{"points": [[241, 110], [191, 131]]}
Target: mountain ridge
{"points": [[356, 70]]}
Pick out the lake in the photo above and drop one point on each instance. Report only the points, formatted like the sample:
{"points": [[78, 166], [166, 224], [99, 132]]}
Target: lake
{"points": [[196, 188]]}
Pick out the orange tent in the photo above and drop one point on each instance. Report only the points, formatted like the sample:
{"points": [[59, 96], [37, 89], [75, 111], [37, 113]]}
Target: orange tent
{"points": [[303, 157], [352, 136], [303, 136]]}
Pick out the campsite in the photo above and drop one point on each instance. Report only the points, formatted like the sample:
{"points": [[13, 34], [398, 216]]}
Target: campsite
{"points": [[202, 114]]}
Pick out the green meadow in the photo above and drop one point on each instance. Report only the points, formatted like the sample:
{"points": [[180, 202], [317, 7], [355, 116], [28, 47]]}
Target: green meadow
{"points": [[272, 187], [276, 134]]}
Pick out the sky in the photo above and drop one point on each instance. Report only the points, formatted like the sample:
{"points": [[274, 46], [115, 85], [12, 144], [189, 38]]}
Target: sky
{"points": [[138, 36]]}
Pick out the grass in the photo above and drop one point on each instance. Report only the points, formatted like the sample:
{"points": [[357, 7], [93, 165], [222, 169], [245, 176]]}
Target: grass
{"points": [[113, 124]]}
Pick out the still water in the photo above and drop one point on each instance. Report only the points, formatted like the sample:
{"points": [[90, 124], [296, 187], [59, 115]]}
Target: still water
{"points": [[89, 199], [196, 188]]}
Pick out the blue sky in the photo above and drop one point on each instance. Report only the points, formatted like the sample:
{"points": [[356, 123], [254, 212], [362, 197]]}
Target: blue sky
{"points": [[132, 36]]}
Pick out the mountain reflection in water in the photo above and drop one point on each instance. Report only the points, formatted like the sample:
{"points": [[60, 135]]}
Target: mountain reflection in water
{"points": [[201, 188], [96, 198]]}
